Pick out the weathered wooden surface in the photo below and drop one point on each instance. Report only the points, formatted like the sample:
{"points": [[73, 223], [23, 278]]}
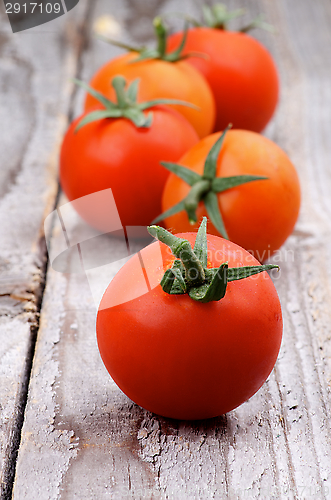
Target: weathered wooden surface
{"points": [[35, 68], [82, 438]]}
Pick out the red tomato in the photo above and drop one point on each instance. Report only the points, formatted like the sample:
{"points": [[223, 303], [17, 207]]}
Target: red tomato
{"points": [[184, 359], [114, 153], [259, 215], [161, 79], [240, 72]]}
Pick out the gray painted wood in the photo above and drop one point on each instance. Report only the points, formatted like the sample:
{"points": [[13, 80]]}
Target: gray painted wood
{"points": [[82, 438], [35, 68]]}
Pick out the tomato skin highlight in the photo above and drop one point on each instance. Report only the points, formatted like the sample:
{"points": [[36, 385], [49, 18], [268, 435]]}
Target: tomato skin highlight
{"points": [[241, 73], [259, 216], [114, 153], [161, 79], [180, 358]]}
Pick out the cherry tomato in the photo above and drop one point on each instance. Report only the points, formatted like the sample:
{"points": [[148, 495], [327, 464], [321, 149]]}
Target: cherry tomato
{"points": [[114, 153], [240, 72], [161, 79], [259, 215], [185, 359]]}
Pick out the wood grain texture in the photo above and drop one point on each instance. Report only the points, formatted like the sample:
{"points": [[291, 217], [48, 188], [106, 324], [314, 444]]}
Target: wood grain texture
{"points": [[34, 102], [83, 439]]}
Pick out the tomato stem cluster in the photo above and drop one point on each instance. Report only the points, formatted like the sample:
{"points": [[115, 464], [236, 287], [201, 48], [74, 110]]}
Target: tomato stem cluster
{"points": [[189, 272], [160, 51], [126, 105], [218, 17], [205, 188]]}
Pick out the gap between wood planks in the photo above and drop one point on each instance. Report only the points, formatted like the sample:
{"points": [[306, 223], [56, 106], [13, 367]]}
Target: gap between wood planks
{"points": [[10, 469]]}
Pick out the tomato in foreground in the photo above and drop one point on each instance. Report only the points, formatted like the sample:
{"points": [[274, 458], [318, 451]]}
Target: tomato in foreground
{"points": [[123, 155], [259, 215], [240, 71], [182, 358]]}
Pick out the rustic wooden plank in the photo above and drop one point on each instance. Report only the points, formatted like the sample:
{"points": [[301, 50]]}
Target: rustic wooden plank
{"points": [[308, 293], [82, 438], [34, 103]]}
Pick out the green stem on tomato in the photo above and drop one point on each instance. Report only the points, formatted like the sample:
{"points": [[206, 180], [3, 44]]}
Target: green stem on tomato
{"points": [[194, 272], [192, 200], [205, 188], [160, 51], [119, 84], [218, 17], [126, 105], [161, 35], [189, 273]]}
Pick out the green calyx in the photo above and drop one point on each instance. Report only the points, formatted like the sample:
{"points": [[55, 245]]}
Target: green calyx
{"points": [[160, 51], [126, 105], [189, 273], [218, 17], [205, 188]]}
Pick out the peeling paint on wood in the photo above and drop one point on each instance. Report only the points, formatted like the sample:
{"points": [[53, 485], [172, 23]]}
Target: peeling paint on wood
{"points": [[34, 100]]}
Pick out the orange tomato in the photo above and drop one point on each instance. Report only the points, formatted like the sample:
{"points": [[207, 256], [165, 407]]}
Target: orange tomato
{"points": [[259, 215], [161, 79]]}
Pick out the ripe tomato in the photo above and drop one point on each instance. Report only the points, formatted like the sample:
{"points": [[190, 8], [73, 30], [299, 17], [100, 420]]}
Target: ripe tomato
{"points": [[161, 79], [185, 359], [114, 153], [240, 72], [258, 216]]}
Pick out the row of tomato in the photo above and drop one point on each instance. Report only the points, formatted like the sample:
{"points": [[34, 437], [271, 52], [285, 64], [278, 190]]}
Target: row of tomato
{"points": [[155, 129], [115, 150]]}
